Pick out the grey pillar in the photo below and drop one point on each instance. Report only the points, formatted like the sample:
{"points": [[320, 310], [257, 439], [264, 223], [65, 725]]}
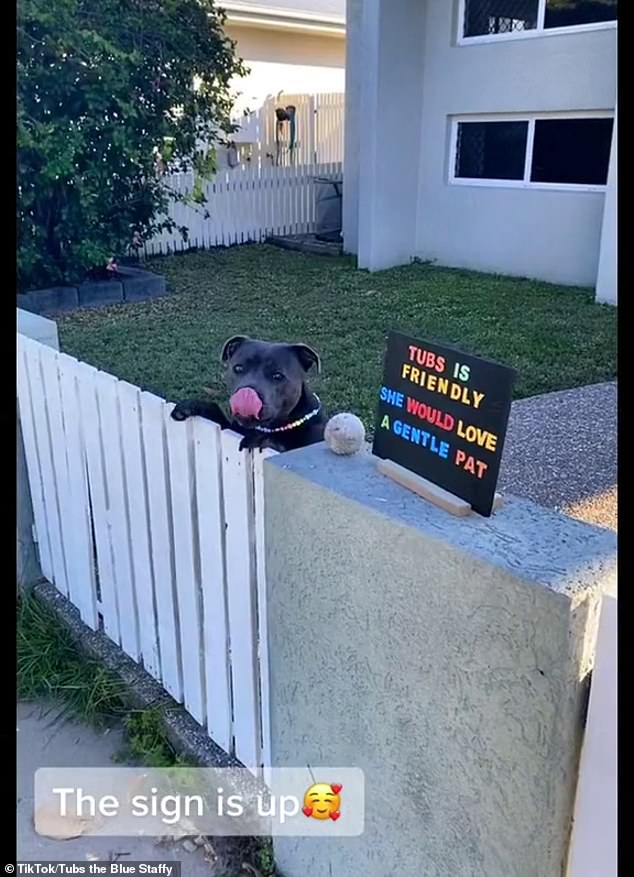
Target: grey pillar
{"points": [[391, 67], [354, 128]]}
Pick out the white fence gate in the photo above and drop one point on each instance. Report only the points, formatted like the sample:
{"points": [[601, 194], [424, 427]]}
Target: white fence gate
{"points": [[244, 204], [153, 529]]}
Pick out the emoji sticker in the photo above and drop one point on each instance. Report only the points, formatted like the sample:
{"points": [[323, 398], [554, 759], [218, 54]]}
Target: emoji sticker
{"points": [[322, 801]]}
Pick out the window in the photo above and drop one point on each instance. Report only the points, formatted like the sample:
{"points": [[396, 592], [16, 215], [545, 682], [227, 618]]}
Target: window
{"points": [[575, 151], [570, 13], [498, 18], [561, 151], [491, 150]]}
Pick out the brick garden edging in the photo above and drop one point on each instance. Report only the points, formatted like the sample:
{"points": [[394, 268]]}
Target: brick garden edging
{"points": [[133, 284]]}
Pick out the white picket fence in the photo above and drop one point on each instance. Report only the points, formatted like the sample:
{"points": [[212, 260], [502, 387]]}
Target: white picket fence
{"points": [[244, 204], [153, 529], [272, 190]]}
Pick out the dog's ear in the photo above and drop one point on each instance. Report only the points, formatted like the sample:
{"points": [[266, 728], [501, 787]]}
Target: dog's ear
{"points": [[307, 356], [231, 345]]}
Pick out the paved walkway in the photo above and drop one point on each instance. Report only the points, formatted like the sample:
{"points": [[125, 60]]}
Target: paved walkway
{"points": [[560, 451], [46, 741]]}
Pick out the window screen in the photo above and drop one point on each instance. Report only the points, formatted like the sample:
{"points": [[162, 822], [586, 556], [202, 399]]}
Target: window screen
{"points": [[499, 16], [491, 150]]}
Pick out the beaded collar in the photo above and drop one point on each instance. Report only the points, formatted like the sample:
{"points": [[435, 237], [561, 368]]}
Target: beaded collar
{"points": [[295, 423]]}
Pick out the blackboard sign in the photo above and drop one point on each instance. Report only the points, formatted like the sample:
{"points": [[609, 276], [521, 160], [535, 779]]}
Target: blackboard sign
{"points": [[443, 414]]}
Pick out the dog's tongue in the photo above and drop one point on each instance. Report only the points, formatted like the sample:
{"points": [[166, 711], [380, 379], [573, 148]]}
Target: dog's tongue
{"points": [[246, 403]]}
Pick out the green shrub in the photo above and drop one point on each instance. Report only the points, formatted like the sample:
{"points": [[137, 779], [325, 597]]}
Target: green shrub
{"points": [[109, 92]]}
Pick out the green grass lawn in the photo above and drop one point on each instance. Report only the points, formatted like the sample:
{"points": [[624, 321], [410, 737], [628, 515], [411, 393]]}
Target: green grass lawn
{"points": [[556, 337]]}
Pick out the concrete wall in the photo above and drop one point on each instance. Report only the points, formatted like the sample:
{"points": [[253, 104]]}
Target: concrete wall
{"points": [[27, 564], [448, 658], [288, 61], [553, 235]]}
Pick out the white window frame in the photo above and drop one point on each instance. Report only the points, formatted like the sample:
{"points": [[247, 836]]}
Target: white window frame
{"points": [[539, 31], [526, 182]]}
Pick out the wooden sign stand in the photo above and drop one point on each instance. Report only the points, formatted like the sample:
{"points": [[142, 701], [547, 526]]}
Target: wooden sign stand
{"points": [[429, 491]]}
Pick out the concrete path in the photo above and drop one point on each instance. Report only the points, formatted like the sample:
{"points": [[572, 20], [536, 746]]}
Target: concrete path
{"points": [[46, 741], [560, 451]]}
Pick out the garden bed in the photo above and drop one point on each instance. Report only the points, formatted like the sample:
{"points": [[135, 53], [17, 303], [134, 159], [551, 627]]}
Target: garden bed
{"points": [[126, 285]]}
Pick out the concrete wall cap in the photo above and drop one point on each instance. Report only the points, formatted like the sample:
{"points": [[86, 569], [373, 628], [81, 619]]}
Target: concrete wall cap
{"points": [[535, 544]]}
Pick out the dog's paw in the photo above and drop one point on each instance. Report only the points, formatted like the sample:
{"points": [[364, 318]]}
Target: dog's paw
{"points": [[214, 412], [182, 411]]}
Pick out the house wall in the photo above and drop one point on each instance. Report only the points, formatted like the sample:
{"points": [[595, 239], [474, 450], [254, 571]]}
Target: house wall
{"points": [[548, 234], [607, 279], [289, 61]]}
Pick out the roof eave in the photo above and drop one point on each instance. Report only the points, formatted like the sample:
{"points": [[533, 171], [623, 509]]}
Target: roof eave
{"points": [[278, 19]]}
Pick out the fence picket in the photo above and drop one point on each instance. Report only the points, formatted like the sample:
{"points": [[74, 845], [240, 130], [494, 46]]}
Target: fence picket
{"points": [[47, 454], [33, 462], [116, 488], [98, 499], [262, 638], [209, 511], [241, 599], [265, 185], [186, 563], [155, 452], [134, 464], [80, 554], [49, 362]]}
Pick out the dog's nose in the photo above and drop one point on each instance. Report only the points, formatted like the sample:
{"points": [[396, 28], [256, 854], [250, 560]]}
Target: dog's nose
{"points": [[246, 402]]}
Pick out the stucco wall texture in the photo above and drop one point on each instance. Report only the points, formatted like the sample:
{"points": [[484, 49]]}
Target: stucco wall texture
{"points": [[448, 658]]}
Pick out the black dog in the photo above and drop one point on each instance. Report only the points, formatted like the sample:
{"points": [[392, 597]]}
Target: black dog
{"points": [[270, 404]]}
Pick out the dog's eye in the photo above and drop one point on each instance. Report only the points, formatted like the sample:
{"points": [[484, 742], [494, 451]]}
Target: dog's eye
{"points": [[278, 376], [238, 369]]}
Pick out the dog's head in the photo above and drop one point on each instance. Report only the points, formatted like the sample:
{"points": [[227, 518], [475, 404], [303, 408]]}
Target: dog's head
{"points": [[265, 380]]}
